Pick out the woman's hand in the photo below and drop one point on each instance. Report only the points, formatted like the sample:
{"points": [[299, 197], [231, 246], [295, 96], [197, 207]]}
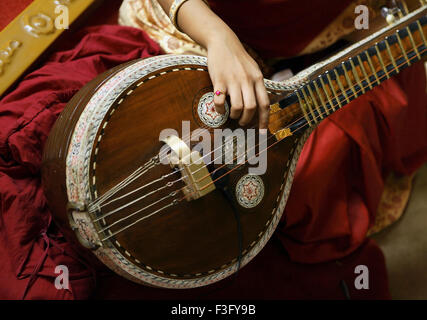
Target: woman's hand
{"points": [[233, 72], [231, 68]]}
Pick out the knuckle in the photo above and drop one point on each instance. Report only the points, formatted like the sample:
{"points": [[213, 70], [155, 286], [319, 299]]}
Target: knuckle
{"points": [[245, 80], [258, 76], [251, 106], [237, 107], [265, 106], [244, 77], [217, 79], [243, 123], [219, 100]]}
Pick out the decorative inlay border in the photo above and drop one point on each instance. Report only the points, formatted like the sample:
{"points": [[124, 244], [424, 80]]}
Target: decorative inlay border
{"points": [[249, 191], [78, 184], [207, 113]]}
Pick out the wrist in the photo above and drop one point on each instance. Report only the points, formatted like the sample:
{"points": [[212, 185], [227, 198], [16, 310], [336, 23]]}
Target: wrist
{"points": [[221, 35]]}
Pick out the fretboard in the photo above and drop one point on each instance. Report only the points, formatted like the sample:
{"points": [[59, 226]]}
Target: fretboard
{"points": [[352, 75]]}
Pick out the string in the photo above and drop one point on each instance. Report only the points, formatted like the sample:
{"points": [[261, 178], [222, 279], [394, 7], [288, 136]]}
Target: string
{"points": [[124, 182], [320, 115], [95, 205], [333, 105], [271, 145], [171, 183], [175, 201]]}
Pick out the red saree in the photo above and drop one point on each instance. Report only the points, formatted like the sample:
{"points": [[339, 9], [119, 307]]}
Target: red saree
{"points": [[30, 245], [332, 203], [340, 175], [278, 28]]}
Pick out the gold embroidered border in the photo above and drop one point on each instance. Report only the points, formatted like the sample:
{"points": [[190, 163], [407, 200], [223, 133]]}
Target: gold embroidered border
{"points": [[31, 33]]}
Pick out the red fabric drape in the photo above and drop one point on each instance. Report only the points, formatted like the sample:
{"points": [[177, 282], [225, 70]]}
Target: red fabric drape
{"points": [[340, 176], [26, 116], [337, 184], [10, 9], [30, 250]]}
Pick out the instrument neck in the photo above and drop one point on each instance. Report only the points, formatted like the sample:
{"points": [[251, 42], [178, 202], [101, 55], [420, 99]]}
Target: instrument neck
{"points": [[360, 68]]}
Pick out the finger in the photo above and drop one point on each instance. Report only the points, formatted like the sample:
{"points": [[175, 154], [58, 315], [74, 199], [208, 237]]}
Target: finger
{"points": [[236, 101], [250, 104], [219, 98], [263, 104]]}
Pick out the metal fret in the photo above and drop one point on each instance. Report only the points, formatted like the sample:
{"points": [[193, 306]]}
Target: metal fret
{"points": [[321, 97], [356, 75], [371, 65], [405, 7], [365, 74], [302, 104], [308, 103], [322, 83], [390, 54], [334, 91], [315, 101], [347, 78], [337, 79], [422, 33], [414, 45], [402, 48], [382, 61]]}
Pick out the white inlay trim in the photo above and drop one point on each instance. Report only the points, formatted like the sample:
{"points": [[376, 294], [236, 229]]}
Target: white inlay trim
{"points": [[249, 191], [78, 164]]}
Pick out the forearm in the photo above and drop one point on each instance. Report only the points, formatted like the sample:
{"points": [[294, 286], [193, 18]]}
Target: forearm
{"points": [[232, 70], [198, 21]]}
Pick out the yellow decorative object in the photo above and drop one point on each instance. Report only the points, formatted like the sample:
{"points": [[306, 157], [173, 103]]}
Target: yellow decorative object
{"points": [[30, 34], [7, 53], [274, 108], [282, 134], [37, 25]]}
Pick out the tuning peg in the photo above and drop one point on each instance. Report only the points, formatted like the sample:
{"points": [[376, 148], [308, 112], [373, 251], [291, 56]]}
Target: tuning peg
{"points": [[389, 14]]}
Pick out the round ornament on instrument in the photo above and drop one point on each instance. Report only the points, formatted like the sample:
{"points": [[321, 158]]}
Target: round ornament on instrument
{"points": [[249, 191], [208, 114]]}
